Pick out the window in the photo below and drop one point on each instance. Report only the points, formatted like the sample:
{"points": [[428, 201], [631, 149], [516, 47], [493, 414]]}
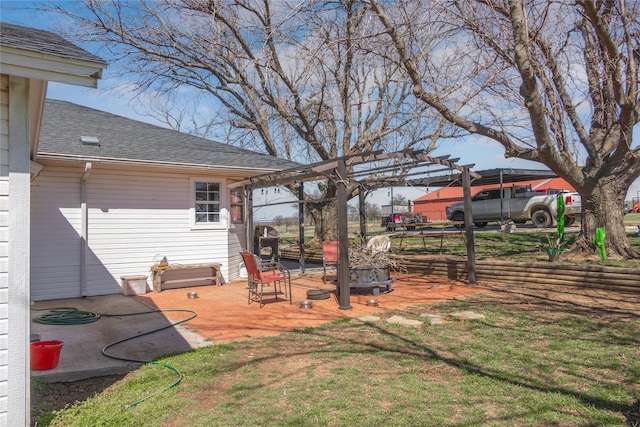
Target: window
{"points": [[207, 203], [494, 194], [483, 195], [237, 206]]}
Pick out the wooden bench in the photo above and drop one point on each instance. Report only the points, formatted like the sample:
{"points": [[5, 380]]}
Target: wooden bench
{"points": [[185, 275], [425, 232]]}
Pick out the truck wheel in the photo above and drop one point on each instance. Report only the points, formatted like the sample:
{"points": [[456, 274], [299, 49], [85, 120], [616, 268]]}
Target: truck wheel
{"points": [[480, 224], [458, 217], [569, 220], [541, 218]]}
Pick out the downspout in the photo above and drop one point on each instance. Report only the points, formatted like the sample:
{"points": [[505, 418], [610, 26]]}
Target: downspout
{"points": [[84, 230]]}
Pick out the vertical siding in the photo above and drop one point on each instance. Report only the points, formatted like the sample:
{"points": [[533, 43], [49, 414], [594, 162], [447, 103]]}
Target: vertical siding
{"points": [[4, 243], [237, 240], [134, 219]]}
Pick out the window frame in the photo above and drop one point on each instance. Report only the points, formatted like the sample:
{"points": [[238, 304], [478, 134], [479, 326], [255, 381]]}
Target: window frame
{"points": [[241, 205], [223, 203]]}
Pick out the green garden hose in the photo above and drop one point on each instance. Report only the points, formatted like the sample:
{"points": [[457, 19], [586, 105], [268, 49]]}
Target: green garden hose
{"points": [[73, 316], [175, 383], [66, 316]]}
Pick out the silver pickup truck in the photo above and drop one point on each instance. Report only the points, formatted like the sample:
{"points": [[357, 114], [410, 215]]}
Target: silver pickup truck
{"points": [[518, 204]]}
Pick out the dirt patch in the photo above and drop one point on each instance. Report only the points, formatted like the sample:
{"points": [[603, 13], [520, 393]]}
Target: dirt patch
{"points": [[540, 298], [47, 397]]}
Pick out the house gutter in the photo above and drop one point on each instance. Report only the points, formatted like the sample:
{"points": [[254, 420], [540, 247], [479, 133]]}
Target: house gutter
{"points": [[156, 163], [84, 230]]}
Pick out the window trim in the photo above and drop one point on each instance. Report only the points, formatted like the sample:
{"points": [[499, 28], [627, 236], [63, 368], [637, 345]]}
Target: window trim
{"points": [[241, 204], [224, 211]]}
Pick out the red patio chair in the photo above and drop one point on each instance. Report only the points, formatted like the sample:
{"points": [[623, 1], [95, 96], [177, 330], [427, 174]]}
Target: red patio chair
{"points": [[330, 257], [265, 275]]}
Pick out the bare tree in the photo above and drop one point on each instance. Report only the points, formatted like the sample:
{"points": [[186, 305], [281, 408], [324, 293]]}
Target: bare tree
{"points": [[301, 80], [399, 199], [552, 81]]}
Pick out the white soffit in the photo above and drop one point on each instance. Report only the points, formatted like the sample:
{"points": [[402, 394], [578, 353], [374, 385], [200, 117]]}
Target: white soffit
{"points": [[23, 63]]}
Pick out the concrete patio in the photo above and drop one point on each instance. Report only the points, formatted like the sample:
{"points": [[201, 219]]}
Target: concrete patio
{"points": [[223, 315]]}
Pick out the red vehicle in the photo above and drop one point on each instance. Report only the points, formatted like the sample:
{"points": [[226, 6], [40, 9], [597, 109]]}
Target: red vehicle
{"points": [[636, 208], [401, 219]]}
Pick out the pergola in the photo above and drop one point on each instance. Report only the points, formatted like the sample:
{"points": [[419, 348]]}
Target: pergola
{"points": [[369, 170]]}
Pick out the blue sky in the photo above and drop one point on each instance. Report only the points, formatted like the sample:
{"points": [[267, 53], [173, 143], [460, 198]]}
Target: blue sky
{"points": [[112, 96]]}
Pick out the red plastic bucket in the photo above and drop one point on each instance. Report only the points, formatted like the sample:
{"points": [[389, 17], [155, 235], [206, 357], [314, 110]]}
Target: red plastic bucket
{"points": [[45, 354]]}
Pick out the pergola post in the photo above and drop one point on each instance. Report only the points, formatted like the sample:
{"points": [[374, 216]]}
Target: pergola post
{"points": [[363, 216], [250, 232], [344, 292], [468, 226], [301, 225]]}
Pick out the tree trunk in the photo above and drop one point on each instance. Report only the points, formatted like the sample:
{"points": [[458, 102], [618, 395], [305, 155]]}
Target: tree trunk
{"points": [[325, 220], [325, 213], [603, 208]]}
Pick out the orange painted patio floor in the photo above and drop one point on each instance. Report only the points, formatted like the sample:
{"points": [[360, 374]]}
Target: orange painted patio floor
{"points": [[224, 315]]}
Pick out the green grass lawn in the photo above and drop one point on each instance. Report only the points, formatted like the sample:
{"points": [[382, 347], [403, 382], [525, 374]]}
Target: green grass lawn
{"points": [[537, 359], [520, 246]]}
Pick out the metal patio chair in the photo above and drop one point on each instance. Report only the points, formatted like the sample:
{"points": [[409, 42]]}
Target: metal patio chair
{"points": [[265, 275], [330, 257]]}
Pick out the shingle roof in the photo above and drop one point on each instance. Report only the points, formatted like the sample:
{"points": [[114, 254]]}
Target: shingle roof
{"points": [[124, 139], [41, 41]]}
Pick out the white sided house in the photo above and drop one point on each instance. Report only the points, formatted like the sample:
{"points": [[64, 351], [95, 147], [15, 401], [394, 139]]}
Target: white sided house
{"points": [[113, 196], [29, 59]]}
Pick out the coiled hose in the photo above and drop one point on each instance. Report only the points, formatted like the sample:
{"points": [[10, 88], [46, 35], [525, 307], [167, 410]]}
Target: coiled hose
{"points": [[72, 316], [66, 316]]}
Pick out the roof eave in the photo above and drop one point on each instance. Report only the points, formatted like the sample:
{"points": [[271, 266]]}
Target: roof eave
{"points": [[150, 163], [28, 64]]}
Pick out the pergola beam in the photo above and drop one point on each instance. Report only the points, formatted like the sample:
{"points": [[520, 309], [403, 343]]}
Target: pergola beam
{"points": [[323, 169]]}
